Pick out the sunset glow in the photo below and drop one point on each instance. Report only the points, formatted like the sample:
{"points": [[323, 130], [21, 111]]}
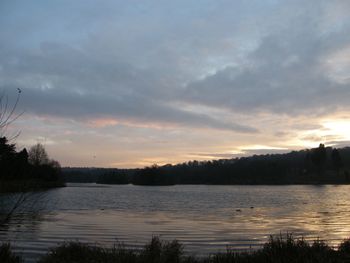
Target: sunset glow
{"points": [[339, 128]]}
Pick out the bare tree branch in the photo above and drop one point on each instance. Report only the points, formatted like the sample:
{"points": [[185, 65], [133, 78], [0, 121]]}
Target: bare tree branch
{"points": [[8, 113]]}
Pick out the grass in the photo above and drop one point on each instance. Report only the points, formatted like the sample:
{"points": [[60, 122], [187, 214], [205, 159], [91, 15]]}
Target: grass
{"points": [[281, 249]]}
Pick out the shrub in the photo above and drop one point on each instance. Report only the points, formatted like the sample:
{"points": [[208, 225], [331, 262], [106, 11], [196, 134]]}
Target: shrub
{"points": [[7, 256]]}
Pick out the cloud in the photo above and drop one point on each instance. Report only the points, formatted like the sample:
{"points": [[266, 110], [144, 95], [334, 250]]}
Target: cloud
{"points": [[258, 60], [63, 81], [338, 144], [215, 155], [286, 73], [249, 152], [128, 62], [238, 153], [103, 122]]}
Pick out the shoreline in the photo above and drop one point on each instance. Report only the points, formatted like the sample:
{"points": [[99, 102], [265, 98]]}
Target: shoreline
{"points": [[23, 186]]}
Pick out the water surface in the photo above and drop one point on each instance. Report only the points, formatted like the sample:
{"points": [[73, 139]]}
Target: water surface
{"points": [[204, 218]]}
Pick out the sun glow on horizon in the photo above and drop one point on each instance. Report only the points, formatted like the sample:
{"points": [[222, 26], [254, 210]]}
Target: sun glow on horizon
{"points": [[261, 147], [331, 132], [340, 128]]}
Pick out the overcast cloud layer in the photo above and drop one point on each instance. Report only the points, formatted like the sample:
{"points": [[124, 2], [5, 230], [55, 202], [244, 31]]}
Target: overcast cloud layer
{"points": [[138, 82]]}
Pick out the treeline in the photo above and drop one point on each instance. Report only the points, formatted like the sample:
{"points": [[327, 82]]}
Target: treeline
{"points": [[27, 170], [322, 165], [318, 165], [96, 175], [153, 175]]}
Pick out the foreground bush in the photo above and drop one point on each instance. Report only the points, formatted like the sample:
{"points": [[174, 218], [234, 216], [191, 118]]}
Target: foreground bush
{"points": [[276, 250], [156, 251], [7, 256]]}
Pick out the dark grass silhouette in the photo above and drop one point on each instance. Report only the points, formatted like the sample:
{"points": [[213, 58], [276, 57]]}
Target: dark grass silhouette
{"points": [[155, 251], [7, 256], [281, 249]]}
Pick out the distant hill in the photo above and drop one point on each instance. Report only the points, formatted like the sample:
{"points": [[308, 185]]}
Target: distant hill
{"points": [[322, 165]]}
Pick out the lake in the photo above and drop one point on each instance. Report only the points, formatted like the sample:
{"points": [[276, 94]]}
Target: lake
{"points": [[205, 218]]}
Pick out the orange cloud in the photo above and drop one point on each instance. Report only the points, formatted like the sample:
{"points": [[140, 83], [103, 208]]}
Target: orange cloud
{"points": [[108, 121], [103, 122]]}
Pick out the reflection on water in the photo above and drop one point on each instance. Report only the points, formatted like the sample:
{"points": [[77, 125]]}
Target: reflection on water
{"points": [[204, 218]]}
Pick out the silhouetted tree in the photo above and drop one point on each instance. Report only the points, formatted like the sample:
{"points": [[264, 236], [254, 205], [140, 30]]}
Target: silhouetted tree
{"points": [[336, 160], [8, 112], [21, 173], [23, 156], [307, 162], [319, 157], [37, 155], [113, 177], [6, 148], [153, 175]]}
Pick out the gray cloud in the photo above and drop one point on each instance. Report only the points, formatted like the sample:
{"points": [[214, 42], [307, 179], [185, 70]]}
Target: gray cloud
{"points": [[286, 72], [133, 108], [62, 81]]}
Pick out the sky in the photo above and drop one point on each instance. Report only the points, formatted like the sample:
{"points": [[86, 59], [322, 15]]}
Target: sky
{"points": [[114, 83]]}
